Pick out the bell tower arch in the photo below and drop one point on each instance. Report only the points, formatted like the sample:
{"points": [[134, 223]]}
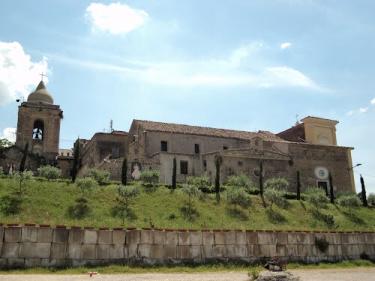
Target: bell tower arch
{"points": [[39, 124]]}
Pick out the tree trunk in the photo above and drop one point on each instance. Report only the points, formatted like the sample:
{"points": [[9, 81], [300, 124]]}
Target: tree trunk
{"points": [[331, 194], [298, 186], [174, 174], [218, 161], [24, 157], [75, 167], [124, 172], [363, 192]]}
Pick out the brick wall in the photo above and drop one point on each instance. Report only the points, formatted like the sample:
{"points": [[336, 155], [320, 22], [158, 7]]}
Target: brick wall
{"points": [[31, 246]]}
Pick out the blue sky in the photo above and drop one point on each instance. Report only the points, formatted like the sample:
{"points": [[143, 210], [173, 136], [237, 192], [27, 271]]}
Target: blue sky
{"points": [[245, 65]]}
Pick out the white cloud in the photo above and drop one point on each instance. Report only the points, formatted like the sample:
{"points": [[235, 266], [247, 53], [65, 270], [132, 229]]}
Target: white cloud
{"points": [[115, 18], [18, 74], [363, 109], [244, 66], [285, 45], [9, 134], [350, 113], [373, 101]]}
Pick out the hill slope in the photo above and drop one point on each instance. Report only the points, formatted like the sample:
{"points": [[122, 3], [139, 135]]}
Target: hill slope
{"points": [[48, 203]]}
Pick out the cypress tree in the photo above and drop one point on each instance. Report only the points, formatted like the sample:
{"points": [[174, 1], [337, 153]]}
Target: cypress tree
{"points": [[124, 172], [218, 162], [24, 157], [174, 174], [331, 194], [75, 167], [261, 187], [298, 186], [363, 192]]}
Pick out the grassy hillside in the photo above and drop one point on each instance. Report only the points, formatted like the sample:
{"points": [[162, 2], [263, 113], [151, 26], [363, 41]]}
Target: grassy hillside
{"points": [[48, 203]]}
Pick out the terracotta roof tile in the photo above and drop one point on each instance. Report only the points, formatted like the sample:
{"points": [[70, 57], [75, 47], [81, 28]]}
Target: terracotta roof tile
{"points": [[206, 131]]}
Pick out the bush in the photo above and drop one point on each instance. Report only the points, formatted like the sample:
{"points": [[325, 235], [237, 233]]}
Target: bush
{"points": [[10, 204], [49, 172], [80, 209], [280, 184], [349, 201], [150, 179], [328, 219], [1, 172], [238, 196], [202, 183], [321, 244], [241, 181], [125, 195], [22, 178], [101, 177], [371, 199], [316, 197], [275, 196], [86, 184], [192, 191]]}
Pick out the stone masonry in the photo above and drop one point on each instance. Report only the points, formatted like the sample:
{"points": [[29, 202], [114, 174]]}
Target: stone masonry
{"points": [[32, 246]]}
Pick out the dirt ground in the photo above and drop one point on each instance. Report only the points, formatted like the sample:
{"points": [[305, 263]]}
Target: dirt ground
{"points": [[355, 274]]}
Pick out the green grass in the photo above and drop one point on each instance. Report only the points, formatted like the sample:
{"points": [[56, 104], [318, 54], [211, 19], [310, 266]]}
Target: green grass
{"points": [[47, 203], [124, 269]]}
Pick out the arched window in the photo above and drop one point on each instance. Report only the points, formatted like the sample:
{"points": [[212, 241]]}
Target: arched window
{"points": [[38, 130]]}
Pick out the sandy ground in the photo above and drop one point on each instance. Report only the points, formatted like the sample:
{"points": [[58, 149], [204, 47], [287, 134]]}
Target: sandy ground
{"points": [[356, 274]]}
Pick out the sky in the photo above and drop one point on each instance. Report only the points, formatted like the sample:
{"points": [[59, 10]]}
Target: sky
{"points": [[238, 64]]}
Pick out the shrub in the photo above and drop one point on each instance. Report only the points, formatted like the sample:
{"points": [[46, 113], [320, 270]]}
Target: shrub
{"points": [[150, 177], [80, 209], [322, 244], [317, 197], [22, 178], [125, 195], [241, 181], [202, 183], [238, 197], [371, 199], [101, 177], [275, 196], [86, 184], [191, 191], [328, 219], [280, 184], [349, 201], [10, 204], [49, 172], [1, 172]]}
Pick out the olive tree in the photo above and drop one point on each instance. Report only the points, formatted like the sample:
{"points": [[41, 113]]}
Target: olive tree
{"points": [[49, 172]]}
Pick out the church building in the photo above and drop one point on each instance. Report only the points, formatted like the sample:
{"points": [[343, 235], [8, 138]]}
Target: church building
{"points": [[308, 149]]}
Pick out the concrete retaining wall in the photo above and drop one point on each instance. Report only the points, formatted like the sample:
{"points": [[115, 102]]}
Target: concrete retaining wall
{"points": [[31, 246]]}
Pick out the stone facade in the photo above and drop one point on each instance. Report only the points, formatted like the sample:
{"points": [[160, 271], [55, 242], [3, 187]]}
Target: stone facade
{"points": [[33, 246]]}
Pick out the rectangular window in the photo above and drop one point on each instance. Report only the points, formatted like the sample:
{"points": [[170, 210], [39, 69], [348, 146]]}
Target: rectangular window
{"points": [[225, 147], [205, 165], [196, 148], [163, 146], [183, 167]]}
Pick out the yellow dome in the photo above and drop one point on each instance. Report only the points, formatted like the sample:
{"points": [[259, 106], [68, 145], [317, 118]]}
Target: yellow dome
{"points": [[40, 95]]}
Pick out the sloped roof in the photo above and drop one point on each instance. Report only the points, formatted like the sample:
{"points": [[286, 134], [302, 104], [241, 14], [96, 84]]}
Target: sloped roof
{"points": [[205, 131]]}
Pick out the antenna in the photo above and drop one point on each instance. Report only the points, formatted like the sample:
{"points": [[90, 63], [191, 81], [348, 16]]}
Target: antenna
{"points": [[111, 126], [297, 119]]}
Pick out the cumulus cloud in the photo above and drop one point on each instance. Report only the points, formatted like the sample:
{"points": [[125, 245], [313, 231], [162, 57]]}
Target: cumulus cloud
{"points": [[285, 45], [350, 113], [363, 109], [243, 66], [9, 134], [18, 73], [115, 18], [372, 101]]}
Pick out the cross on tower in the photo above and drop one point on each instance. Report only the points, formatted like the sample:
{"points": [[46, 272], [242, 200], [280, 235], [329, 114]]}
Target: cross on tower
{"points": [[42, 75]]}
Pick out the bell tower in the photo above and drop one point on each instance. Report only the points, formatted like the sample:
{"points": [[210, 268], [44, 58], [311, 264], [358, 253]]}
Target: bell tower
{"points": [[38, 124]]}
